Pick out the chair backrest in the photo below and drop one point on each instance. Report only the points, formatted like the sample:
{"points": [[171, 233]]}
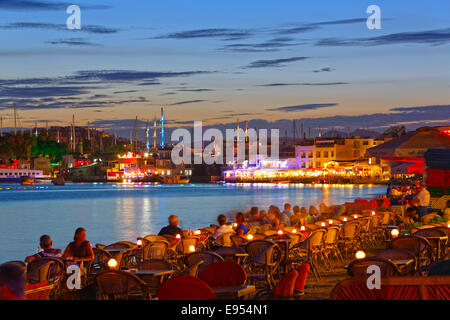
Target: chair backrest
{"points": [[207, 257], [386, 218], [155, 264], [395, 254], [350, 230], [394, 288], [225, 239], [154, 237], [45, 269], [286, 286], [332, 235], [417, 245], [431, 232], [118, 245], [261, 251], [115, 284], [155, 250], [359, 267], [101, 258], [186, 244], [316, 238], [224, 274], [185, 288]]}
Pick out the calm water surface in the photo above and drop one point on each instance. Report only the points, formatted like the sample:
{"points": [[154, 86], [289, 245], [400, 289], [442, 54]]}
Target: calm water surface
{"points": [[124, 212]]}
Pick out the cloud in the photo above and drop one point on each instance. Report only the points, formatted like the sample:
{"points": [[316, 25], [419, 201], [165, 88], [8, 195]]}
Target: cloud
{"points": [[33, 5], [430, 37], [281, 84], [48, 91], [221, 33], [186, 102], [443, 108], [268, 46], [326, 69], [274, 62], [302, 107], [73, 42], [195, 90], [94, 29]]}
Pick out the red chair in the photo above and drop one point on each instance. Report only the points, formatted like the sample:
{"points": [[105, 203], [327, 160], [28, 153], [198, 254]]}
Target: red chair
{"points": [[303, 272], [185, 288], [285, 288], [224, 274]]}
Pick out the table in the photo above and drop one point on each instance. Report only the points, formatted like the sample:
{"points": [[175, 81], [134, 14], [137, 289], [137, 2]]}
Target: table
{"points": [[155, 273], [234, 292]]}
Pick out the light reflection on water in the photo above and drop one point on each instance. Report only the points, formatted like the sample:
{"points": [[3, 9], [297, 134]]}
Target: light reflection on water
{"points": [[125, 212]]}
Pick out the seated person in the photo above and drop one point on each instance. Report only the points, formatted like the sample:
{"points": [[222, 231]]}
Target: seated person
{"points": [[263, 217], [12, 281], [223, 228], [287, 209], [274, 221], [172, 229], [241, 228], [45, 243], [79, 250], [283, 216], [305, 217], [254, 218], [411, 215], [295, 218]]}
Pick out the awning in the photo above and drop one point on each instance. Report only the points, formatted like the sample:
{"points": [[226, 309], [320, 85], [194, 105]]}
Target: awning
{"points": [[408, 168]]}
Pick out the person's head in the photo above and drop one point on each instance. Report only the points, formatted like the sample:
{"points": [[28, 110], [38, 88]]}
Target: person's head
{"points": [[296, 209], [303, 210], [173, 220], [411, 211], [263, 214], [287, 207], [239, 217], [272, 215], [45, 242], [80, 235], [12, 281], [221, 219], [422, 186]]}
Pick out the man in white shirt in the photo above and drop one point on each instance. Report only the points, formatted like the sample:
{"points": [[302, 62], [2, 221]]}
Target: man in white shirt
{"points": [[223, 228], [423, 197]]}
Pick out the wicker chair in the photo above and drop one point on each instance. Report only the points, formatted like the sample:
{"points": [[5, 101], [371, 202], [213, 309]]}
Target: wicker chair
{"points": [[331, 244], [47, 270], [154, 237], [399, 254], [438, 246], [224, 240], [114, 285], [417, 245], [155, 250], [100, 263], [207, 257], [348, 237], [263, 261], [359, 267]]}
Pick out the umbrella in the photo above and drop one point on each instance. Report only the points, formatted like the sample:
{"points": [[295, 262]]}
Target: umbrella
{"points": [[411, 145]]}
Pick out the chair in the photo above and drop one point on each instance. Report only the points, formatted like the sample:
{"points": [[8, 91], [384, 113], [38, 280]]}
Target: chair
{"points": [[185, 288], [331, 244], [234, 253], [437, 246], [284, 289], [399, 254], [186, 245], [224, 240], [38, 291], [100, 263], [207, 257], [192, 270], [115, 284], [118, 245], [156, 249], [47, 269], [263, 260], [394, 288], [348, 238], [224, 274], [417, 245], [428, 217], [359, 267]]}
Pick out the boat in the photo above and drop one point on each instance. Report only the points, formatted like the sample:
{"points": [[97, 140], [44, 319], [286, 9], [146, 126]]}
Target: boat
{"points": [[26, 181], [176, 179], [15, 175], [59, 181]]}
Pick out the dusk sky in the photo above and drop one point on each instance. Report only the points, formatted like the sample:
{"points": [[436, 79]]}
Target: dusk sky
{"points": [[220, 60]]}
